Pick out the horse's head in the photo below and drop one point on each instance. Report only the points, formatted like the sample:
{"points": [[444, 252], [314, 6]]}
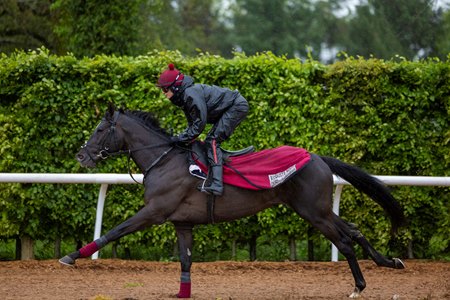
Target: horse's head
{"points": [[106, 140]]}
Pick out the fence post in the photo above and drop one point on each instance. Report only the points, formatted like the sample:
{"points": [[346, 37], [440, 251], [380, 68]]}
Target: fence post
{"points": [[99, 214], [336, 201]]}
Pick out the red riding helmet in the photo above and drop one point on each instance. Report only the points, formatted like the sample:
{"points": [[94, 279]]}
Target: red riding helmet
{"points": [[170, 77]]}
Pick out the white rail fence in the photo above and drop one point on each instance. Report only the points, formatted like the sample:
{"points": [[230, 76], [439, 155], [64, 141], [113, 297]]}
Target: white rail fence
{"points": [[105, 179]]}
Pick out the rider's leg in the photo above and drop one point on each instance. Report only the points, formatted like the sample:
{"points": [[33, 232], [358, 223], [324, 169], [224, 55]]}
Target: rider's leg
{"points": [[215, 184], [220, 132]]}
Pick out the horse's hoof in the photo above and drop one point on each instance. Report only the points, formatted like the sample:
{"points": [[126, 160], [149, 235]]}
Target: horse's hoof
{"points": [[398, 264], [67, 261], [355, 294]]}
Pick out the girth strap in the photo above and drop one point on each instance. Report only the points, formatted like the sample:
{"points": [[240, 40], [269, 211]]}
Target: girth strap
{"points": [[210, 203]]}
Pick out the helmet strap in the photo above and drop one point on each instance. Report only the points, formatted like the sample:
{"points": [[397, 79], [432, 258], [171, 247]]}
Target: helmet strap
{"points": [[173, 83]]}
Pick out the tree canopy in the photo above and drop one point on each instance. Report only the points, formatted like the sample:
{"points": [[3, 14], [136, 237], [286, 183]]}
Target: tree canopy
{"points": [[296, 28]]}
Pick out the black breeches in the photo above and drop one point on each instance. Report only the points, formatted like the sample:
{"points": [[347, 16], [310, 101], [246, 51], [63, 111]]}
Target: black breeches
{"points": [[228, 122]]}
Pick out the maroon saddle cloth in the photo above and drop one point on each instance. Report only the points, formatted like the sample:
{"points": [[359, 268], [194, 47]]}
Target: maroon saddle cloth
{"points": [[262, 170]]}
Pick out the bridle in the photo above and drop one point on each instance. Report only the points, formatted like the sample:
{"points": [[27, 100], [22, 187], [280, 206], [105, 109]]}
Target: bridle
{"points": [[105, 152]]}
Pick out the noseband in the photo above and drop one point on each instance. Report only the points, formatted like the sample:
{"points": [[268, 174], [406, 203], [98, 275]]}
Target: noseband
{"points": [[104, 150]]}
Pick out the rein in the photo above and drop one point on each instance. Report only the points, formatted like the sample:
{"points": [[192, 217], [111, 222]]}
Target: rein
{"points": [[147, 170]]}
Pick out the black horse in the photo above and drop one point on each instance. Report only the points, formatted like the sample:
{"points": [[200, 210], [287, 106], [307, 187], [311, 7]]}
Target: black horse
{"points": [[171, 194]]}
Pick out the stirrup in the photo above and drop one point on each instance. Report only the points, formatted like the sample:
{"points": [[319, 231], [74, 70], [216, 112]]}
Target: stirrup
{"points": [[211, 191], [201, 188], [204, 189]]}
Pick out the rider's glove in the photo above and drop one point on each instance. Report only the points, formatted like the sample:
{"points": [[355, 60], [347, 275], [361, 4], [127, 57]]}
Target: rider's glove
{"points": [[176, 141]]}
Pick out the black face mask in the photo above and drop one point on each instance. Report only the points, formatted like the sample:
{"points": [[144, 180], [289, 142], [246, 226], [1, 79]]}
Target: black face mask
{"points": [[177, 98]]}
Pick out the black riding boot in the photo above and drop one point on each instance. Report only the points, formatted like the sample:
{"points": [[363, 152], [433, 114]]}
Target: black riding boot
{"points": [[214, 184]]}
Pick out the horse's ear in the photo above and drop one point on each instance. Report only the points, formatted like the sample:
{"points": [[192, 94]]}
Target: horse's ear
{"points": [[111, 109]]}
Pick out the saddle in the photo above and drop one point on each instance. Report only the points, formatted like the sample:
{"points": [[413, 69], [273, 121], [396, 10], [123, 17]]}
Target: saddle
{"points": [[198, 156], [249, 169]]}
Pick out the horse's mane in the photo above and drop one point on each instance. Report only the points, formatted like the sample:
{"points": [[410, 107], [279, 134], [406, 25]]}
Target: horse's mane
{"points": [[147, 119]]}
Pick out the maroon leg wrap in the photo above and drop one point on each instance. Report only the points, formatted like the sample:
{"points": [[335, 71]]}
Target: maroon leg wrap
{"points": [[88, 250], [185, 290]]}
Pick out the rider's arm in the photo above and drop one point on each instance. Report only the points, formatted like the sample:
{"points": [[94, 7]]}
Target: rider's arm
{"points": [[196, 114]]}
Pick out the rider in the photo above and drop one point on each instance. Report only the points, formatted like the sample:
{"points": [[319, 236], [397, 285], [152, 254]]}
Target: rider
{"points": [[203, 104]]}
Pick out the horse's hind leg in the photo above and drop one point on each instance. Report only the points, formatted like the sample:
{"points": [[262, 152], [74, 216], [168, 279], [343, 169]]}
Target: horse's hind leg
{"points": [[379, 259], [333, 232], [324, 220], [342, 235], [311, 199]]}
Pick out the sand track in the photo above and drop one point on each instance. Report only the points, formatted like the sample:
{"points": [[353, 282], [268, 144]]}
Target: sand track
{"points": [[121, 279]]}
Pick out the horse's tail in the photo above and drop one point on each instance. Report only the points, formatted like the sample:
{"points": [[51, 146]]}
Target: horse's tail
{"points": [[371, 186]]}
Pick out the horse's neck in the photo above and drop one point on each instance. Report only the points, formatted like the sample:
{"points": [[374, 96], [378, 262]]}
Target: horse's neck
{"points": [[146, 146]]}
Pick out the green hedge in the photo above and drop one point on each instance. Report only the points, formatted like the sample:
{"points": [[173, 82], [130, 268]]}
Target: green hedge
{"points": [[389, 117]]}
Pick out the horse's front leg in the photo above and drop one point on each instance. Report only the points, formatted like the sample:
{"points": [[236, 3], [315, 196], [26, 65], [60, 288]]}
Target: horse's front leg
{"points": [[142, 219], [184, 234]]}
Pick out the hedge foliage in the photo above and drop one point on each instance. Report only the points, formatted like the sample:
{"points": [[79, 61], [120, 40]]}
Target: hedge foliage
{"points": [[389, 117]]}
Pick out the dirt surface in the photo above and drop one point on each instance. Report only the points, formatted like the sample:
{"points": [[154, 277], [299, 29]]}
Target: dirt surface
{"points": [[121, 279]]}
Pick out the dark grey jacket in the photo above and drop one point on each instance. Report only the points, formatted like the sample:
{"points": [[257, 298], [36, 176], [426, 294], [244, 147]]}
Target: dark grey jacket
{"points": [[202, 104]]}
